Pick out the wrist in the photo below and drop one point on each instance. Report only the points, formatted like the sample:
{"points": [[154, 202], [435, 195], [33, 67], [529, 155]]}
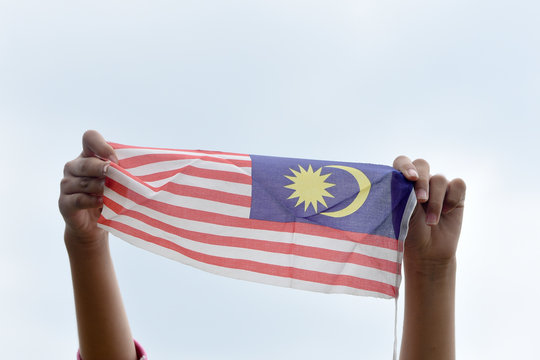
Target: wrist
{"points": [[428, 325], [76, 243], [430, 270]]}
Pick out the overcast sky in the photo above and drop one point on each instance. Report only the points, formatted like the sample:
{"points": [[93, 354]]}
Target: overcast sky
{"points": [[457, 83]]}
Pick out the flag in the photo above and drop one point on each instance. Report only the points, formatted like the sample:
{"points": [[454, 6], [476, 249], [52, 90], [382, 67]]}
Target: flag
{"points": [[325, 226]]}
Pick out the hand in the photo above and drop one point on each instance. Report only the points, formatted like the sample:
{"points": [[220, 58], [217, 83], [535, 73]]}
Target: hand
{"points": [[436, 221], [81, 189]]}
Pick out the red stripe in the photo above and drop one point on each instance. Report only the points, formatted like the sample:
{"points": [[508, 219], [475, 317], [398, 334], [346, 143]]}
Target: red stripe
{"points": [[121, 146], [192, 191], [208, 194], [140, 160], [258, 267], [226, 220], [202, 173], [262, 245]]}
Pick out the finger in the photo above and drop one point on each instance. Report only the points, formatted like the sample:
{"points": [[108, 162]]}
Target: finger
{"points": [[79, 201], [95, 145], [407, 168], [86, 167], [455, 195], [73, 185], [421, 186], [437, 192]]}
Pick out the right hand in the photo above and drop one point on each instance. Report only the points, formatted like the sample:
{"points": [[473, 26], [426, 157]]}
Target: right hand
{"points": [[435, 224], [81, 189]]}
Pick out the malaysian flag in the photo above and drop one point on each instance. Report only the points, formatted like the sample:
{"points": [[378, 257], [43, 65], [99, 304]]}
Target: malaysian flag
{"points": [[324, 226]]}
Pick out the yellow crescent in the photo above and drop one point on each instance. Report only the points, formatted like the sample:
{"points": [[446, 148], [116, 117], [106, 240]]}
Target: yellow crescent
{"points": [[363, 183]]}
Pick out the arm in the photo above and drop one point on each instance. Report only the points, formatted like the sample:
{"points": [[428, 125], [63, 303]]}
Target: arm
{"points": [[430, 263], [102, 322]]}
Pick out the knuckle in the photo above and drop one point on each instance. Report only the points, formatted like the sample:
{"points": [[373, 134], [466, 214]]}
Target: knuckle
{"points": [[61, 202], [439, 179], [64, 182], [88, 134], [63, 205], [84, 183], [456, 191], [83, 167], [459, 184], [422, 165], [101, 187], [401, 160], [78, 201], [420, 162], [67, 167]]}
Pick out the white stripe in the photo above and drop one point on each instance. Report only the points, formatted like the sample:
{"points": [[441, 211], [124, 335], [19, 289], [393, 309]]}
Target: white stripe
{"points": [[287, 260], [243, 274], [161, 166], [220, 185], [179, 200], [267, 235], [129, 152]]}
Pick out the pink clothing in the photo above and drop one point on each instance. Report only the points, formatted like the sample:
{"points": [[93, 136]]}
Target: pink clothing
{"points": [[141, 354]]}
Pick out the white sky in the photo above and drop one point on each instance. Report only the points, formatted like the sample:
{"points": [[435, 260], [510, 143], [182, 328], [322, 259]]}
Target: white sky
{"points": [[456, 82]]}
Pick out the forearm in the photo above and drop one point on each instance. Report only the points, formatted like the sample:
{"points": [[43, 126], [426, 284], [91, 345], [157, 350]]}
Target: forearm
{"points": [[102, 322], [428, 328]]}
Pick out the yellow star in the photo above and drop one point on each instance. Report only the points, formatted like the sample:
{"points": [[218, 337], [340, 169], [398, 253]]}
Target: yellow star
{"points": [[309, 187]]}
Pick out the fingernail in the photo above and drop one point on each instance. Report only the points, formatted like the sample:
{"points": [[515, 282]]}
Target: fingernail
{"points": [[412, 173], [421, 194], [431, 219], [106, 167], [114, 158]]}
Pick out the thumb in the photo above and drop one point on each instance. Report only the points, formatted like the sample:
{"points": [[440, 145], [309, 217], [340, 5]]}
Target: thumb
{"points": [[95, 145]]}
